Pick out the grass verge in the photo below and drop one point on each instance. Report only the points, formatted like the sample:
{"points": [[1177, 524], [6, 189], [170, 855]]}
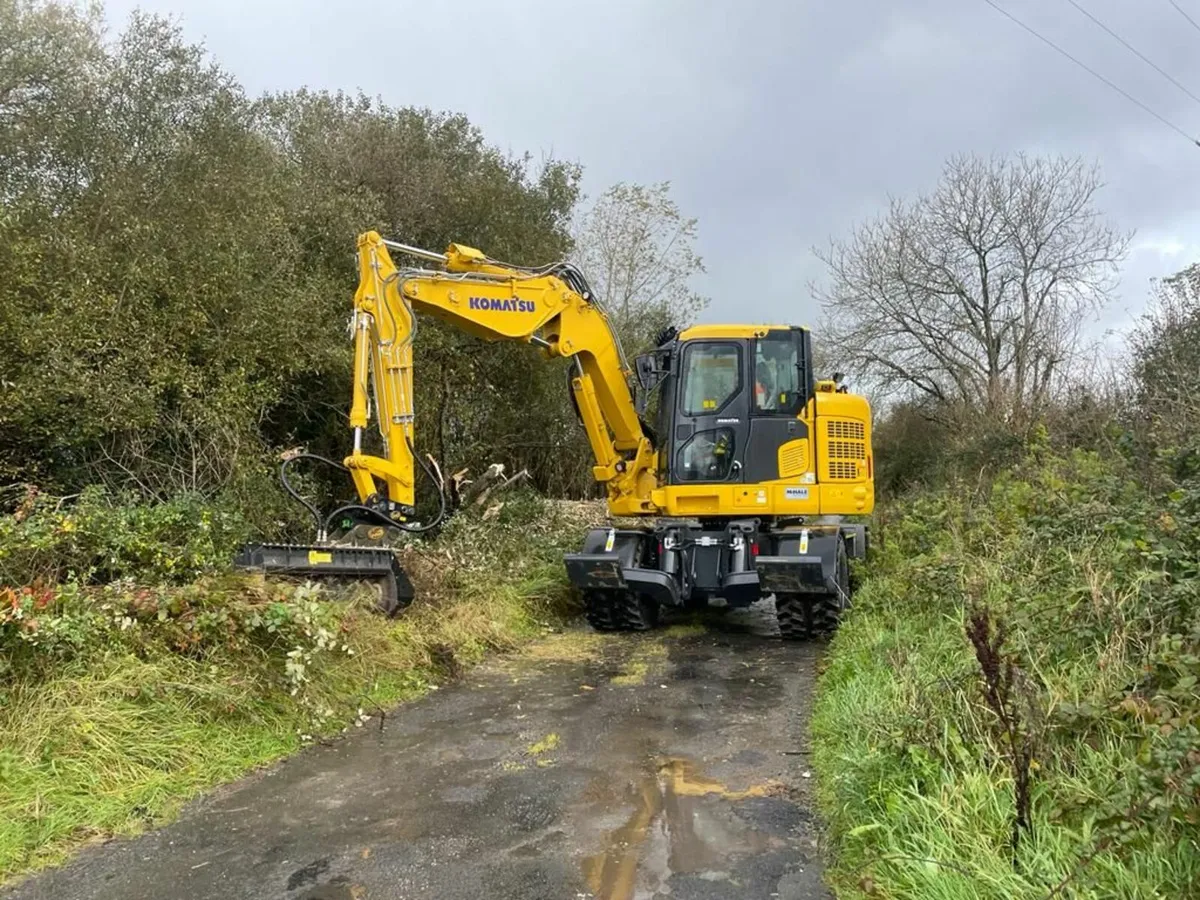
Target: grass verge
{"points": [[1087, 582], [118, 705]]}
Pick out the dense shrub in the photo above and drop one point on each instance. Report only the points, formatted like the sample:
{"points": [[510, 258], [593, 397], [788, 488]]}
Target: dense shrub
{"points": [[176, 265], [41, 628], [97, 537]]}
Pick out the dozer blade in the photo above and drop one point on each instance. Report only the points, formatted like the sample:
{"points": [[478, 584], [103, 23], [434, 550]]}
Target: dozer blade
{"points": [[355, 563]]}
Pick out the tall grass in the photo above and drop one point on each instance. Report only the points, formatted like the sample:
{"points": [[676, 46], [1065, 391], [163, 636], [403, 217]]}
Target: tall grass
{"points": [[917, 782]]}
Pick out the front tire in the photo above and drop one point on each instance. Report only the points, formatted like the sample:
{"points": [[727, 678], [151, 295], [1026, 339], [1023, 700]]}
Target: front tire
{"points": [[624, 611], [807, 616], [598, 609], [638, 612], [792, 616]]}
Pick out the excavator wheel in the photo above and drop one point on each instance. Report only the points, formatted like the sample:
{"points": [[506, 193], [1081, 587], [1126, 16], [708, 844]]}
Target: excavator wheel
{"points": [[624, 611], [793, 613], [598, 609], [807, 616], [637, 612]]}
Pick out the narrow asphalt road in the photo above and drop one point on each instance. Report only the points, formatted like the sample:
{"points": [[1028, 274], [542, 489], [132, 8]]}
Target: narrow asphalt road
{"points": [[616, 767]]}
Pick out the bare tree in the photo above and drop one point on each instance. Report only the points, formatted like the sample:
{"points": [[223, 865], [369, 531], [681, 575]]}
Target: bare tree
{"points": [[636, 248], [973, 297]]}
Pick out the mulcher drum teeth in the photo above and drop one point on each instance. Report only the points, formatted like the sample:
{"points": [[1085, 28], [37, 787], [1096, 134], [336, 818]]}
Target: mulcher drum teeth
{"points": [[352, 563]]}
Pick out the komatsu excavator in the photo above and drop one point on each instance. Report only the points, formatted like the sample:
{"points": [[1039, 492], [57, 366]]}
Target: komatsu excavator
{"points": [[744, 480]]}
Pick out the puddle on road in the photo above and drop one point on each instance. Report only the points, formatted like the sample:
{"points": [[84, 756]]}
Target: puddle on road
{"points": [[675, 828]]}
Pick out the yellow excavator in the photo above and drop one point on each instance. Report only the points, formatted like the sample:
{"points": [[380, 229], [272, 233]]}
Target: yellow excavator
{"points": [[745, 478]]}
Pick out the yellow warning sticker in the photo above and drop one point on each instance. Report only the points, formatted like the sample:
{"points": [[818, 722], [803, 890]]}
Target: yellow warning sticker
{"points": [[316, 557], [804, 542]]}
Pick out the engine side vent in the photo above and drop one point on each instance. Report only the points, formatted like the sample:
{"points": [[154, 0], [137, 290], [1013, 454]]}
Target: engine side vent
{"points": [[841, 470], [793, 458], [846, 428]]}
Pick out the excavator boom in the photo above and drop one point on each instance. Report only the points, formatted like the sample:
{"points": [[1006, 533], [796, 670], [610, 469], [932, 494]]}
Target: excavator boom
{"points": [[551, 309]]}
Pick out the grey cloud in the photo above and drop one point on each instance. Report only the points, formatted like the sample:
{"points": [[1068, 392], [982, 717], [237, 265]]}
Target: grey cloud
{"points": [[779, 123]]}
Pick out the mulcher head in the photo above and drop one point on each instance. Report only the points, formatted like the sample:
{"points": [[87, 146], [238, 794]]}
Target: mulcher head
{"points": [[350, 563]]}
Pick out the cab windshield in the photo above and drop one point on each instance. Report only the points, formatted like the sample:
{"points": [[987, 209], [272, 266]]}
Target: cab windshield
{"points": [[712, 377]]}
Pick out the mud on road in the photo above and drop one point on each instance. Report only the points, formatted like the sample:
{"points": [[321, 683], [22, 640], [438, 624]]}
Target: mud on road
{"points": [[613, 767]]}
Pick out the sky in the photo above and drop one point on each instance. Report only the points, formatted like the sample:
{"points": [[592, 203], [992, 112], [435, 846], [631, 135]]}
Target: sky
{"points": [[778, 124]]}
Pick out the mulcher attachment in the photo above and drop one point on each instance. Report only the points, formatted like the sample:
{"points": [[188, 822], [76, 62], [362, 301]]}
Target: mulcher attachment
{"points": [[350, 563]]}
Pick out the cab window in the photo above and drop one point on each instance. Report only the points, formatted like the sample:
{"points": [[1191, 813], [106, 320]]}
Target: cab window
{"points": [[777, 386], [707, 456], [712, 377]]}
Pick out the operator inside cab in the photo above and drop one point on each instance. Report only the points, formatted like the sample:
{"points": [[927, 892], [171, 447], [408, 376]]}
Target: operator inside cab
{"points": [[776, 375]]}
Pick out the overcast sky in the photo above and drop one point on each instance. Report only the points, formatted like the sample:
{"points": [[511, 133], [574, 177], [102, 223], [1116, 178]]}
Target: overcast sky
{"points": [[778, 123]]}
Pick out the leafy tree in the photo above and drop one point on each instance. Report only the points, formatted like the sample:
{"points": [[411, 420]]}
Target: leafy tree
{"points": [[637, 250], [1165, 358], [428, 179], [176, 262]]}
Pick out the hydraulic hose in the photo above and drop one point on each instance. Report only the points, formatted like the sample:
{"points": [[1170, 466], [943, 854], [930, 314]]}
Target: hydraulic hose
{"points": [[324, 522], [287, 485], [387, 520]]}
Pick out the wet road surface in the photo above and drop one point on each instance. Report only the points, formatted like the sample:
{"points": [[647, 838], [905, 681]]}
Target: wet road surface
{"points": [[612, 767]]}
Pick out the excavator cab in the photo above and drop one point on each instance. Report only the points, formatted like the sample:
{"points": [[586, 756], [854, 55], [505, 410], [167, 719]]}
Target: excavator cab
{"points": [[728, 400], [759, 463]]}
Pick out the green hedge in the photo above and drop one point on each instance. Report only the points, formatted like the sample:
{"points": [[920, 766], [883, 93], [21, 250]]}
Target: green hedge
{"points": [[97, 537]]}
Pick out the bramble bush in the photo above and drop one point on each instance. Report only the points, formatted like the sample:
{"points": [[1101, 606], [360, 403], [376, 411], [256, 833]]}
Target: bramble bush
{"points": [[44, 627], [97, 537], [97, 574]]}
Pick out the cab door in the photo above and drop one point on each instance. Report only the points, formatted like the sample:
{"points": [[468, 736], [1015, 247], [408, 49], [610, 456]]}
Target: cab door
{"points": [[711, 413], [779, 444]]}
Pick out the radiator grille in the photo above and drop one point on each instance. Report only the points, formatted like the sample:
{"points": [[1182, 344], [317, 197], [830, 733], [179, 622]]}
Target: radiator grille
{"points": [[840, 470], [840, 428], [845, 449]]}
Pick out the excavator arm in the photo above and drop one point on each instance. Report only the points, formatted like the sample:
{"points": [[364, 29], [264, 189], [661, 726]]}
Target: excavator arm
{"points": [[550, 307]]}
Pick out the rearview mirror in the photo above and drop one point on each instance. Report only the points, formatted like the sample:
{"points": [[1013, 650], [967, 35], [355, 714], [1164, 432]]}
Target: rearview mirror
{"points": [[652, 368]]}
